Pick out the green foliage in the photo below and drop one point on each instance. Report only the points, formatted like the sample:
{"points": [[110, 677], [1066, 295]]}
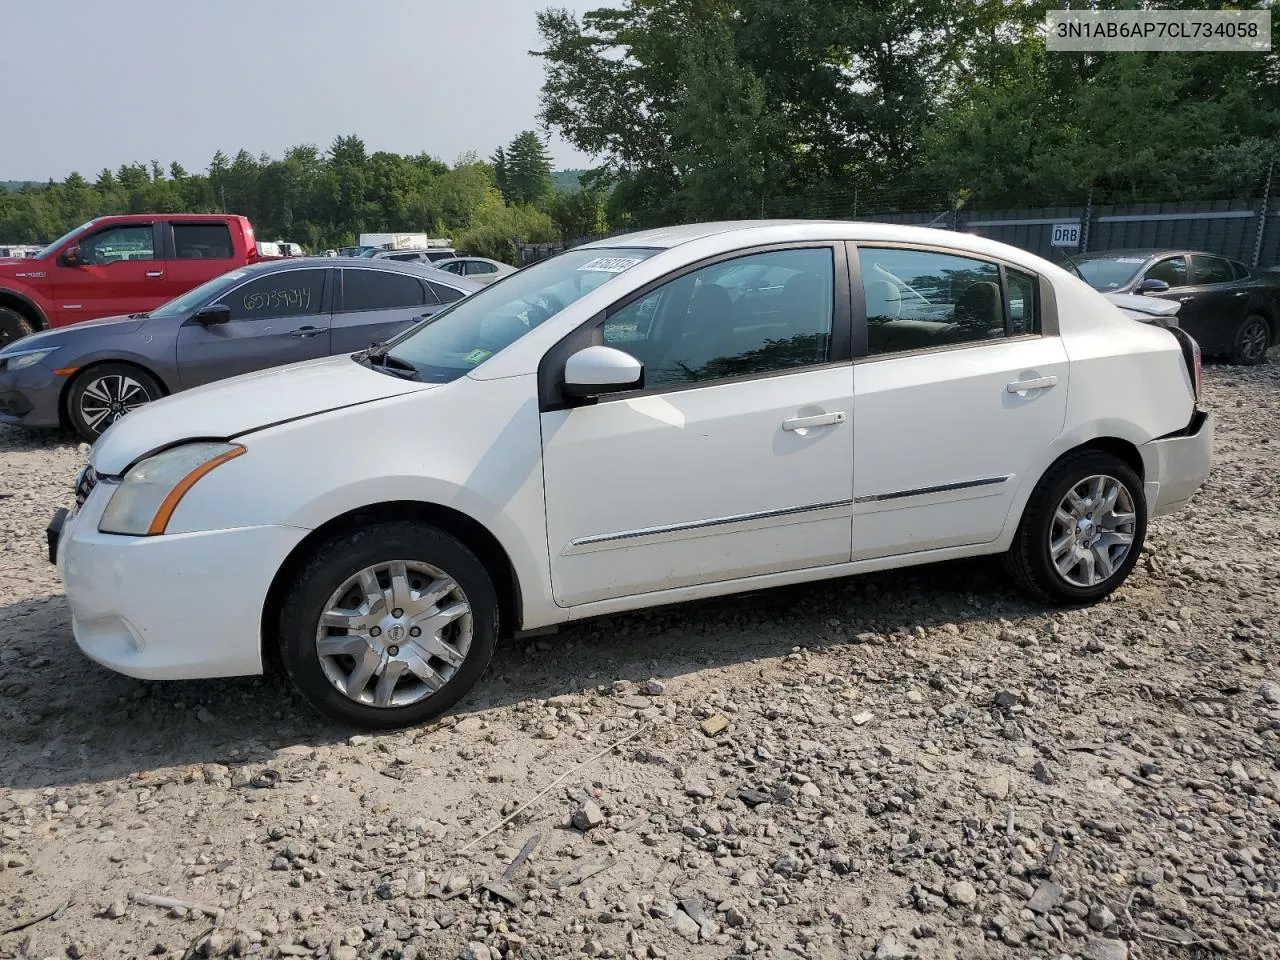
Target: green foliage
{"points": [[524, 176], [317, 198]]}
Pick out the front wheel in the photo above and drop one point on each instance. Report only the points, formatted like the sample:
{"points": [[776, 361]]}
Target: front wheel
{"points": [[1082, 531], [1253, 339], [389, 625], [103, 394], [13, 326]]}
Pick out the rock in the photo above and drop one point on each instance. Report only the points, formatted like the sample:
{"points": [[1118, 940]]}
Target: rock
{"points": [[1045, 898], [342, 952], [962, 893], [686, 926], [733, 917], [549, 731], [76, 950], [862, 719], [1100, 918], [475, 951], [1097, 949], [587, 816], [714, 725], [1270, 692], [471, 724], [203, 715], [117, 909], [888, 948], [654, 688], [994, 788]]}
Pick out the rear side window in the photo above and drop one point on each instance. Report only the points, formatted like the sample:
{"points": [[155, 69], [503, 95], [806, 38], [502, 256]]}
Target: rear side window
{"points": [[446, 294], [1212, 270], [477, 267], [923, 299], [202, 241], [1241, 271], [380, 290], [291, 293]]}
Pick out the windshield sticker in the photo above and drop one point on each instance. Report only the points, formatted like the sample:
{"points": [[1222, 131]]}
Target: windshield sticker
{"points": [[611, 264], [478, 355]]}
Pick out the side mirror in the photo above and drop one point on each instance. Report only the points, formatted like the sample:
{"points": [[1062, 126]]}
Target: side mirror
{"points": [[72, 257], [599, 370], [1152, 285], [213, 315]]}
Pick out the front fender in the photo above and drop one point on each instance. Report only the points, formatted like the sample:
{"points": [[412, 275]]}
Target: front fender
{"points": [[24, 297]]}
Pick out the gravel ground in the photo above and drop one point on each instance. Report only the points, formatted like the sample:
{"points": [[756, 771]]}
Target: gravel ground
{"points": [[915, 764]]}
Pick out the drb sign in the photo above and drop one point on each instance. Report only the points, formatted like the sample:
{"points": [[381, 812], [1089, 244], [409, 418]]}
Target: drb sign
{"points": [[1066, 234]]}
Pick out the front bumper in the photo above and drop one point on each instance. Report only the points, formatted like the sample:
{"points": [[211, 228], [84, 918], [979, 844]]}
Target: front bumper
{"points": [[30, 397], [180, 606], [1177, 465]]}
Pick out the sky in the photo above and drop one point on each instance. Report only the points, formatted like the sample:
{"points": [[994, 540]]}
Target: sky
{"points": [[89, 86]]}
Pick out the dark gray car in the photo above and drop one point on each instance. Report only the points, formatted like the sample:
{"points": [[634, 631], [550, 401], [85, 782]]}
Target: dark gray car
{"points": [[90, 374]]}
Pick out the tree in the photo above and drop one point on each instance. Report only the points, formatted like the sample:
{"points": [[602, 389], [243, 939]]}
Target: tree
{"points": [[526, 171]]}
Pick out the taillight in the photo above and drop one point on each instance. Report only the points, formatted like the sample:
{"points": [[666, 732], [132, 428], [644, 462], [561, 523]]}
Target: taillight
{"points": [[1191, 355]]}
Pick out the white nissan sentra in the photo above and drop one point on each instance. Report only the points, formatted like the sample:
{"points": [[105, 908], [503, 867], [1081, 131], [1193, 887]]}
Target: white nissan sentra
{"points": [[653, 418]]}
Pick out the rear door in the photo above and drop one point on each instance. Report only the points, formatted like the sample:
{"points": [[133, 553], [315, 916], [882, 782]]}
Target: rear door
{"points": [[122, 272], [276, 318], [1214, 304], [373, 305], [959, 387], [197, 251]]}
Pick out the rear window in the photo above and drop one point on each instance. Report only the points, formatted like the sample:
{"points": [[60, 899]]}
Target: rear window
{"points": [[202, 241]]}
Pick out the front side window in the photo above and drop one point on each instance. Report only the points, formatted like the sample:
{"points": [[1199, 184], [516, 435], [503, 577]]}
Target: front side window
{"points": [[202, 241], [460, 338], [207, 292], [1172, 270], [380, 290], [290, 293], [921, 299], [757, 314], [131, 242], [1213, 270]]}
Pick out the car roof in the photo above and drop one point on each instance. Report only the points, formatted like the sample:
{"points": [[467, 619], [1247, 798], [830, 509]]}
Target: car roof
{"points": [[1147, 253], [348, 263]]}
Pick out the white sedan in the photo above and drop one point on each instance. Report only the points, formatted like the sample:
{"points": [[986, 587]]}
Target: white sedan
{"points": [[653, 418]]}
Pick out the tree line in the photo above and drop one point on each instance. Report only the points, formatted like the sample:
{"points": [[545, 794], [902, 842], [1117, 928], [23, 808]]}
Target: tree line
{"points": [[703, 109], [325, 199]]}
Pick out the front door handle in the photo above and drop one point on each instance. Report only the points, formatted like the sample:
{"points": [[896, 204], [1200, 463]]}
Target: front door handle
{"points": [[1185, 299], [1040, 383], [306, 332], [155, 273], [821, 420]]}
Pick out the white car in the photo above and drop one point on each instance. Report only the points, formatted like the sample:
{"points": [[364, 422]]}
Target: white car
{"points": [[654, 418], [481, 269]]}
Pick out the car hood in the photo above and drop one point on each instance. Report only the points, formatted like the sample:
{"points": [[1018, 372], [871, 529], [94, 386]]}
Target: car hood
{"points": [[229, 408], [60, 335]]}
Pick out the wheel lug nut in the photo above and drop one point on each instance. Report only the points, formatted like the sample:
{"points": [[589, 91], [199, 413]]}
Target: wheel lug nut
{"points": [[415, 631], [375, 632], [397, 612], [393, 651]]}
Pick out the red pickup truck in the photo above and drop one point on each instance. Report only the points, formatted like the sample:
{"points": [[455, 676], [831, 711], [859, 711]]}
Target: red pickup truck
{"points": [[119, 265]]}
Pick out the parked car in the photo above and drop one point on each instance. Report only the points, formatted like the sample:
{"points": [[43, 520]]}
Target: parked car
{"points": [[91, 374], [430, 255], [1231, 311], [481, 269], [643, 420], [119, 265]]}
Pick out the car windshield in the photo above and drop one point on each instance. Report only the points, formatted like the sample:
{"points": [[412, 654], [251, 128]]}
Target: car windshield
{"points": [[64, 238], [1109, 273], [457, 340], [206, 292]]}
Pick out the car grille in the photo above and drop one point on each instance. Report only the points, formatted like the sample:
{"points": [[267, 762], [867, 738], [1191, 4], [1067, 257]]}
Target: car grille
{"points": [[85, 482]]}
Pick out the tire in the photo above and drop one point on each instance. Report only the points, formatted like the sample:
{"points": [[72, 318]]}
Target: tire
{"points": [[102, 394], [358, 656], [13, 326], [1030, 558], [1252, 340]]}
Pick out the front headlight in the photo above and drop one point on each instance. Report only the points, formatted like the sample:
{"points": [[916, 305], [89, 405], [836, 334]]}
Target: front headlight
{"points": [[21, 359], [147, 496]]}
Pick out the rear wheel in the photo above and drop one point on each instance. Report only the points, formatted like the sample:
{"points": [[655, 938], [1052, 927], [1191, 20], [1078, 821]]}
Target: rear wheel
{"points": [[13, 326], [103, 394], [1082, 531], [1253, 339], [388, 626]]}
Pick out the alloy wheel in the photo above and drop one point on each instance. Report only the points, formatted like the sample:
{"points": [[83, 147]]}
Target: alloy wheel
{"points": [[108, 398], [394, 634], [1253, 341], [1092, 531]]}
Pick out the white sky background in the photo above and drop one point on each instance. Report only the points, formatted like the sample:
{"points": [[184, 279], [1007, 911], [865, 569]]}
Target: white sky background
{"points": [[93, 85]]}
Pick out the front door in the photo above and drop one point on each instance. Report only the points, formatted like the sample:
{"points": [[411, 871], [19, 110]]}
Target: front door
{"points": [[957, 396], [736, 458], [373, 305], [276, 318], [1215, 304], [122, 271]]}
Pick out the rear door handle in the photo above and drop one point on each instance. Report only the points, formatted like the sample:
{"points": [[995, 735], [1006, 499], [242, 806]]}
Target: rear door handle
{"points": [[306, 332], [821, 420], [155, 273], [1040, 383]]}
